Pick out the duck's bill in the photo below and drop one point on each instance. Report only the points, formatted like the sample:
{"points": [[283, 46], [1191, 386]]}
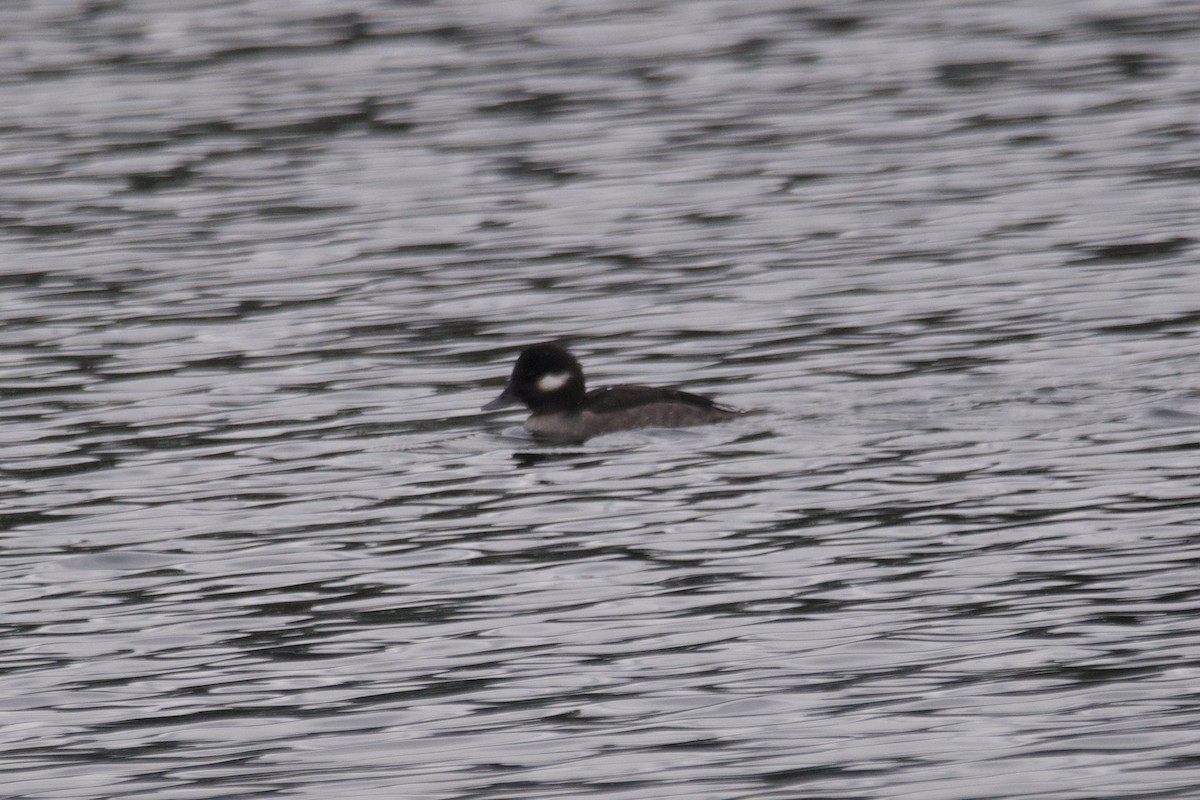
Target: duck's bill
{"points": [[506, 398]]}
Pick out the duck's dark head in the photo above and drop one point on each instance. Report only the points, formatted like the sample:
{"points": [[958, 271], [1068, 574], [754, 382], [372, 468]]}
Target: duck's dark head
{"points": [[546, 378]]}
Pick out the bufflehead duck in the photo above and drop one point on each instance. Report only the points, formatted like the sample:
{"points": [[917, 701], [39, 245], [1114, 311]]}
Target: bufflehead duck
{"points": [[549, 381]]}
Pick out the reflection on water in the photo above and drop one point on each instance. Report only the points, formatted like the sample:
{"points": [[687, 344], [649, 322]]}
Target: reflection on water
{"points": [[263, 263]]}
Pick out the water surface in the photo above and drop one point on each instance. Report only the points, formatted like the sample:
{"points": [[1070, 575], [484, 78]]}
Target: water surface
{"points": [[262, 264]]}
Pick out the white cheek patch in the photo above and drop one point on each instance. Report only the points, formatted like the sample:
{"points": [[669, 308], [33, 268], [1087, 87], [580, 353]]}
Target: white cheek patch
{"points": [[553, 381]]}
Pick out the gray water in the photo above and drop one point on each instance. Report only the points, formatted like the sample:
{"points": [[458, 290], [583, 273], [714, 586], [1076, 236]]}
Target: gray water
{"points": [[263, 262]]}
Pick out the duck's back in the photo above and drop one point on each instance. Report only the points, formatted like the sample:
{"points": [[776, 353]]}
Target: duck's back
{"points": [[625, 397]]}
